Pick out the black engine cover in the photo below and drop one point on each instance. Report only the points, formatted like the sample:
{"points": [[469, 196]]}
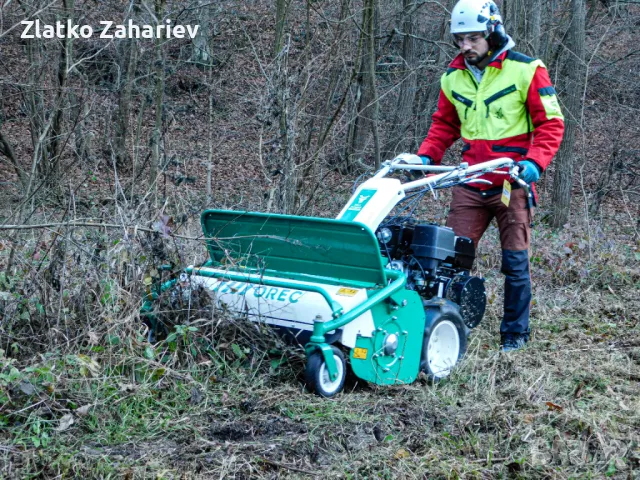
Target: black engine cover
{"points": [[469, 293], [465, 253], [432, 244]]}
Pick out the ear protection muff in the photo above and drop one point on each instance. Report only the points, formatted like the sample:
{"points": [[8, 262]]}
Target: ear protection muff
{"points": [[496, 35]]}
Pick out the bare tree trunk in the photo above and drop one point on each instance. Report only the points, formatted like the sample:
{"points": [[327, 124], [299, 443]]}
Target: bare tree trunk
{"points": [[429, 101], [365, 93], [534, 32], [159, 101], [7, 151], [201, 49], [281, 17], [211, 133], [515, 17], [287, 186], [575, 78], [80, 111], [121, 120], [333, 82], [374, 107], [398, 141], [49, 166]]}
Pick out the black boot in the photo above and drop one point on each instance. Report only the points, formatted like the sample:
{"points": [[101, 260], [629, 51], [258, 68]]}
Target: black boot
{"points": [[513, 341]]}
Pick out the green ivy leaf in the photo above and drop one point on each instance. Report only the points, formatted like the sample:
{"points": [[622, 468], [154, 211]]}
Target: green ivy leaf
{"points": [[171, 337], [276, 362]]}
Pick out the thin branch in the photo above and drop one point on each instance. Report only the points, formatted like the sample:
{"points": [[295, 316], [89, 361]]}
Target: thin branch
{"points": [[91, 225]]}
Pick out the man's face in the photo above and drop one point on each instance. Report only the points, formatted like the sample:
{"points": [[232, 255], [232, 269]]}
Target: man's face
{"points": [[473, 46]]}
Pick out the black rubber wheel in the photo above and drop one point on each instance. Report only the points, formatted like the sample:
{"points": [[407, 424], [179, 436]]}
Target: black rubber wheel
{"points": [[445, 340], [316, 374]]}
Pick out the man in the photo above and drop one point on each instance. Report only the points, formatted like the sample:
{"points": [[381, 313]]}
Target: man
{"points": [[502, 104]]}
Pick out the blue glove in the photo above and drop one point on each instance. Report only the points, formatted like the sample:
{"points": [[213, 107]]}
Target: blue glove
{"points": [[426, 160], [529, 171]]}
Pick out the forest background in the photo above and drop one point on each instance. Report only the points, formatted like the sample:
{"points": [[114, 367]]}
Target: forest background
{"points": [[111, 148]]}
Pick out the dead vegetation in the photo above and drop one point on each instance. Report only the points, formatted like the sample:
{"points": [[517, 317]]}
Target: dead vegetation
{"points": [[84, 393]]}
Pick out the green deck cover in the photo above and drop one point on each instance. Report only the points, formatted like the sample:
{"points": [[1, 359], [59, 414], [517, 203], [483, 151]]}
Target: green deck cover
{"points": [[293, 247]]}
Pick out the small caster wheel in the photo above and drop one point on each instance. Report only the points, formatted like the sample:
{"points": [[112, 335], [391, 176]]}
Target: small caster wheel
{"points": [[316, 374]]}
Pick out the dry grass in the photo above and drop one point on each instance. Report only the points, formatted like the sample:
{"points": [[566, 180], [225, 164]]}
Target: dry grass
{"points": [[224, 399]]}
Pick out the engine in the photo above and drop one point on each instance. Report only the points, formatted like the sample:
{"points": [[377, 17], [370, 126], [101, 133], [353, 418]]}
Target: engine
{"points": [[437, 263]]}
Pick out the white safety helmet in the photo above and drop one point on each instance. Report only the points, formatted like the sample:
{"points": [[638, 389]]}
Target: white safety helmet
{"points": [[479, 16]]}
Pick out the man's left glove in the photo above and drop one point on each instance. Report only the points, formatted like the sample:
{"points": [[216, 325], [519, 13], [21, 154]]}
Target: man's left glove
{"points": [[411, 159], [529, 171]]}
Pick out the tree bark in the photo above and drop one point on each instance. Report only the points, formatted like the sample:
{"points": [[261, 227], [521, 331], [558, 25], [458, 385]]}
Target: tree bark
{"points": [[201, 53], [575, 78], [398, 141], [121, 152], [534, 27], [50, 167], [159, 101], [7, 151], [281, 18], [365, 117]]}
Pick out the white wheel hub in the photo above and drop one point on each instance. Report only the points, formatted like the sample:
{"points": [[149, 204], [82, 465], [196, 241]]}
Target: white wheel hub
{"points": [[328, 385], [443, 348]]}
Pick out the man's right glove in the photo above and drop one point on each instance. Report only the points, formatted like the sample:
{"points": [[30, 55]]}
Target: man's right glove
{"points": [[410, 159], [529, 171]]}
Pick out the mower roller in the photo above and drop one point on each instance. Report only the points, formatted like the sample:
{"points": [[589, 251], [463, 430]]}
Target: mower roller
{"points": [[394, 295]]}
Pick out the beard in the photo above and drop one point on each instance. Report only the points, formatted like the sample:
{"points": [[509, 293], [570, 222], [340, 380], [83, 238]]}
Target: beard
{"points": [[475, 59]]}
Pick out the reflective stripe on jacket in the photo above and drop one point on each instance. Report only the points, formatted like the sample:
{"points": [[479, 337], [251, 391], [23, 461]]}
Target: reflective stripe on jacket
{"points": [[513, 112]]}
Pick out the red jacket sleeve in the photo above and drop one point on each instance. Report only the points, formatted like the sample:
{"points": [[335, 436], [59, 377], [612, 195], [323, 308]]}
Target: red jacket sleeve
{"points": [[547, 119], [445, 129]]}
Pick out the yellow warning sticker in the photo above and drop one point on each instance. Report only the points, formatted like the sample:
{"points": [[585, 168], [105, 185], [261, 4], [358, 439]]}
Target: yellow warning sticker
{"points": [[506, 193], [347, 292], [360, 353]]}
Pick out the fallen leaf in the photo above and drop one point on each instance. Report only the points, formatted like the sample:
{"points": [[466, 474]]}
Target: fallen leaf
{"points": [[400, 454], [528, 418], [93, 338], [552, 406], [84, 410], [27, 388], [578, 391], [91, 366], [65, 422]]}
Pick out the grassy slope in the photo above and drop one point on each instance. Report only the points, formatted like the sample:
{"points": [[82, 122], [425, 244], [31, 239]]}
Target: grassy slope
{"points": [[226, 401], [567, 407]]}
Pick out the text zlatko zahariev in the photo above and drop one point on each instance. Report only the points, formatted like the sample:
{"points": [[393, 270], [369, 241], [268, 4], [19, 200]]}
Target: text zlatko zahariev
{"points": [[108, 29]]}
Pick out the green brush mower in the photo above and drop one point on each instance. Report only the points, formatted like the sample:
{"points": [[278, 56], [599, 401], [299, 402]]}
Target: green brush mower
{"points": [[394, 296]]}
